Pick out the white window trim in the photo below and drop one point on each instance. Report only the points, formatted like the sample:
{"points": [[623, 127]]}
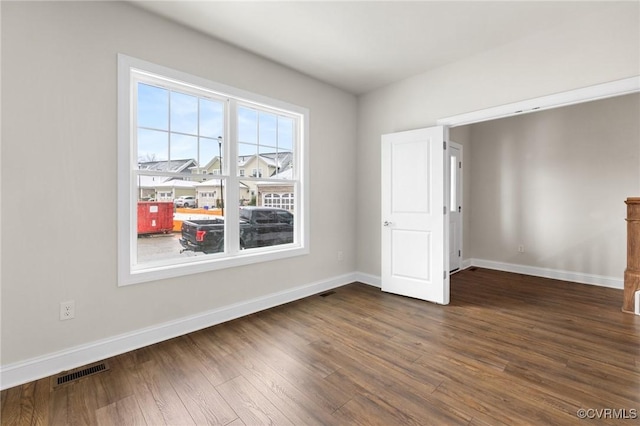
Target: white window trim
{"points": [[127, 197]]}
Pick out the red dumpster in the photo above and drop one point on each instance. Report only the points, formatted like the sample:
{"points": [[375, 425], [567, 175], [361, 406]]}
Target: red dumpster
{"points": [[155, 217]]}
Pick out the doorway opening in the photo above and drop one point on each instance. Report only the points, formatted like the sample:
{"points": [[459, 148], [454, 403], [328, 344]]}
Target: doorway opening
{"points": [[514, 261]]}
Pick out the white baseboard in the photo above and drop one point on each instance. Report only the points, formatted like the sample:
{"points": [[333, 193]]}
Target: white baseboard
{"points": [[466, 263], [556, 274], [577, 277], [36, 368], [369, 279], [637, 302]]}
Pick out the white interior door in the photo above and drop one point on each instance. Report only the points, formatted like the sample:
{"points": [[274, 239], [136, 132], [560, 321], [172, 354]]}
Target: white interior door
{"points": [[455, 207], [415, 255]]}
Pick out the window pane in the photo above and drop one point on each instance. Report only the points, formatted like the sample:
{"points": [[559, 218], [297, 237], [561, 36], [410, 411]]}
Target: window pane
{"points": [[247, 193], [268, 153], [284, 164], [153, 107], [165, 203], [247, 150], [153, 145], [215, 166], [184, 147], [264, 220], [247, 158], [211, 193], [285, 134], [247, 125], [211, 118], [268, 130], [156, 240], [210, 149], [184, 113], [163, 187]]}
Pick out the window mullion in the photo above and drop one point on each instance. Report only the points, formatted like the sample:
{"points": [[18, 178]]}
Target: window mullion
{"points": [[198, 139], [232, 213], [169, 92], [133, 183], [258, 140]]}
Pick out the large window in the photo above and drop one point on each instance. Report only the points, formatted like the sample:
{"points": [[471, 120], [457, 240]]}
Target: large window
{"points": [[186, 204]]}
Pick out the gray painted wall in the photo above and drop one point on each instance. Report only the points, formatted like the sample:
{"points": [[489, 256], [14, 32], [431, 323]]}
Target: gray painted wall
{"points": [[59, 148]]}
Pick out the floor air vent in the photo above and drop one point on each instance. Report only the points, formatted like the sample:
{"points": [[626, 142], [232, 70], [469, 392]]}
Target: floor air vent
{"points": [[73, 375], [328, 293]]}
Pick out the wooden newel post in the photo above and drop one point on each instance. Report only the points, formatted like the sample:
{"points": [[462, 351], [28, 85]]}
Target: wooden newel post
{"points": [[632, 273]]}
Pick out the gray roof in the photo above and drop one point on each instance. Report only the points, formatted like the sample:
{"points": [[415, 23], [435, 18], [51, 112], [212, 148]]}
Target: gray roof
{"points": [[174, 166]]}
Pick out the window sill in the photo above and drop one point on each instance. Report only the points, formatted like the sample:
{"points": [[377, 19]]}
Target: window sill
{"points": [[208, 263]]}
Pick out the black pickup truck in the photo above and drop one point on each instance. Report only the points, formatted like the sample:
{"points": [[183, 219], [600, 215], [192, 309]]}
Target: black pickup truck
{"points": [[259, 227]]}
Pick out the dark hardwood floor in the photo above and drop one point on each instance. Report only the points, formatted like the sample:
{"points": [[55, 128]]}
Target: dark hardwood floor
{"points": [[509, 349]]}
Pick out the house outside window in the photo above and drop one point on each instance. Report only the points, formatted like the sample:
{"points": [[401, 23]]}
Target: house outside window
{"points": [[179, 122]]}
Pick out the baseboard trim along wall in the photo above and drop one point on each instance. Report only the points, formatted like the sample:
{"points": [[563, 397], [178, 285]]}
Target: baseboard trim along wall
{"points": [[577, 277], [36, 368], [369, 279]]}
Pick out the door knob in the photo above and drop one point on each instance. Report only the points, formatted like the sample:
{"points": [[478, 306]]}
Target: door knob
{"points": [[387, 223]]}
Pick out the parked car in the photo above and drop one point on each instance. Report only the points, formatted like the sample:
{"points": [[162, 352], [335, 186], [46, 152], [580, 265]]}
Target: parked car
{"points": [[259, 227], [185, 201]]}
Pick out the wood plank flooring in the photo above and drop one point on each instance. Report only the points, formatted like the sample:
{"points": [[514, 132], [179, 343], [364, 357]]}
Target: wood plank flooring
{"points": [[509, 349]]}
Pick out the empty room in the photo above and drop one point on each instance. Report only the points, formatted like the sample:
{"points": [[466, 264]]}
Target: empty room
{"points": [[369, 212]]}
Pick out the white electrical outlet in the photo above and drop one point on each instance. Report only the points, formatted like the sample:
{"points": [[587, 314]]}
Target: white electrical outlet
{"points": [[520, 248], [67, 310], [340, 256]]}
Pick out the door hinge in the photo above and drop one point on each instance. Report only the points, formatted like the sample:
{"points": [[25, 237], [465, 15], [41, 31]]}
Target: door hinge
{"points": [[444, 145], [460, 165], [459, 209], [444, 275], [459, 253], [444, 210]]}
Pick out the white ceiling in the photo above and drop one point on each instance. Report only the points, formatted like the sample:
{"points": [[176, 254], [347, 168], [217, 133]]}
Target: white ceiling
{"points": [[363, 45]]}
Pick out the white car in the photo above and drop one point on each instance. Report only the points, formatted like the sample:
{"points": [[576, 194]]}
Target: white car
{"points": [[185, 201]]}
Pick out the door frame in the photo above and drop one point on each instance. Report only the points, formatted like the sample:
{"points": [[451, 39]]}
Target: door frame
{"points": [[459, 147], [625, 86], [621, 87]]}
